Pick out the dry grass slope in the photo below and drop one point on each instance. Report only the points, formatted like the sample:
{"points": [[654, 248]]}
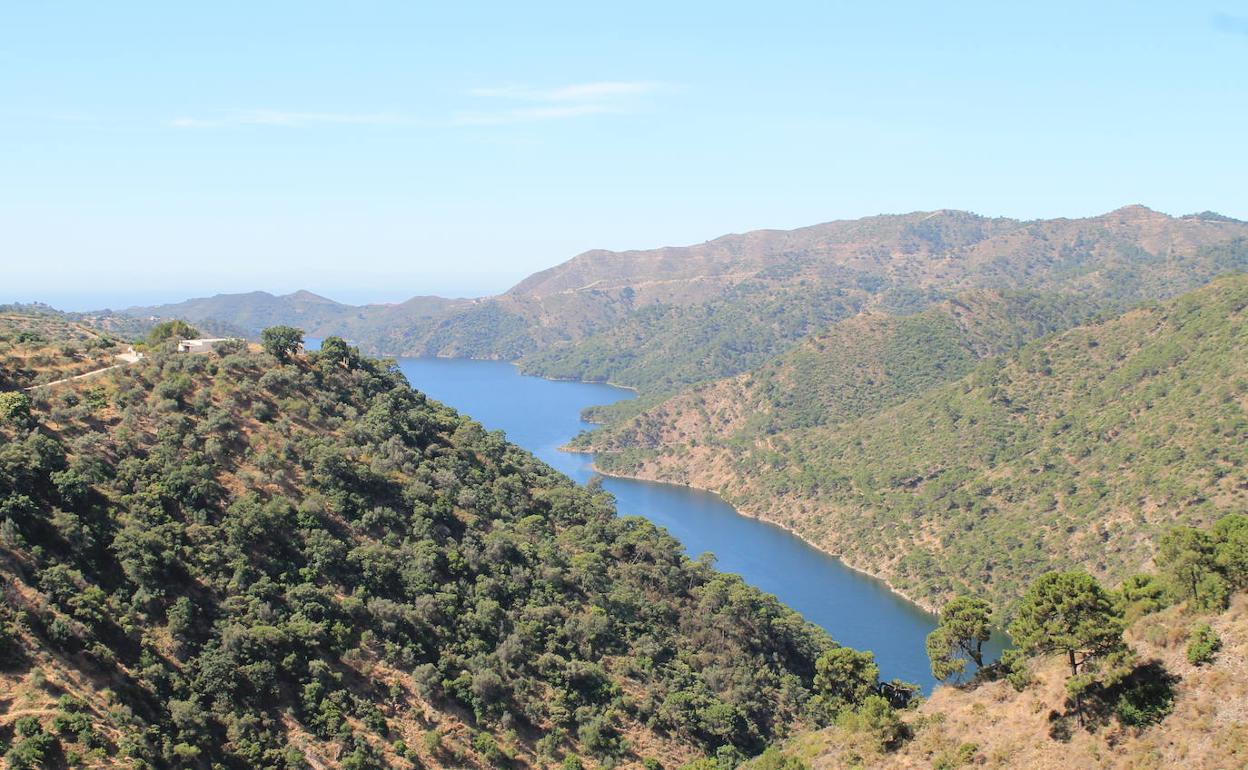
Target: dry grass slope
{"points": [[993, 726]]}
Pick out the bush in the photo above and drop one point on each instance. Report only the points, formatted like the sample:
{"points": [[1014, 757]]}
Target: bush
{"points": [[433, 741], [34, 748], [1014, 668], [1202, 645], [773, 759], [955, 758], [876, 718], [485, 745]]}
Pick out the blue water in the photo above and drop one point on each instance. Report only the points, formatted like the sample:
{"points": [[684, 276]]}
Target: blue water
{"points": [[541, 415]]}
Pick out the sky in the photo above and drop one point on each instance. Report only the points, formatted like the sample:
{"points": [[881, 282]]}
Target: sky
{"points": [[372, 150]]}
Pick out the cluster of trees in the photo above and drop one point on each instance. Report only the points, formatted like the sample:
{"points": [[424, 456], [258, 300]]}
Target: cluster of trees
{"points": [[235, 537], [1205, 567], [1071, 615]]}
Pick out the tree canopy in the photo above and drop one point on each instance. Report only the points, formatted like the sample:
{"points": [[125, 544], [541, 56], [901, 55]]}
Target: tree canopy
{"points": [[1068, 613], [965, 625], [281, 342]]}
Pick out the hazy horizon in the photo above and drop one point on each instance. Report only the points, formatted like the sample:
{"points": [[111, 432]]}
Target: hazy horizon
{"points": [[397, 289]]}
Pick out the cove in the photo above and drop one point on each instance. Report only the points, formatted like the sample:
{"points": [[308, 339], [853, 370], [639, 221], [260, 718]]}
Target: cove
{"points": [[542, 415]]}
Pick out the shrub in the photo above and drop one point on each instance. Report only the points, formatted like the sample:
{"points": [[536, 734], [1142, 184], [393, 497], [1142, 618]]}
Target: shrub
{"points": [[485, 745], [876, 718], [1014, 668], [1202, 645]]}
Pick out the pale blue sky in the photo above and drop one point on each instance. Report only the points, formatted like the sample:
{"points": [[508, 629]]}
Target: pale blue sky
{"points": [[377, 150]]}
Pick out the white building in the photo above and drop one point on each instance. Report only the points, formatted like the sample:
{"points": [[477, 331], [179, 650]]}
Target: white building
{"points": [[202, 345]]}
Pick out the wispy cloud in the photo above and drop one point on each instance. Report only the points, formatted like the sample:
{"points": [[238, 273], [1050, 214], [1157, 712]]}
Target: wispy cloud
{"points": [[522, 104], [556, 103], [288, 119], [533, 114]]}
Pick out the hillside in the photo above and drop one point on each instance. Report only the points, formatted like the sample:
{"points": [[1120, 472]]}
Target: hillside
{"points": [[994, 726], [855, 367], [663, 319], [36, 348], [1075, 450], [261, 559]]}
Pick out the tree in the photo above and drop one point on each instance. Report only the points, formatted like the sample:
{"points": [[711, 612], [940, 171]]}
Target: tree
{"points": [[845, 677], [282, 341], [334, 350], [15, 408], [1230, 535], [965, 624], [1187, 557], [1071, 614], [176, 329]]}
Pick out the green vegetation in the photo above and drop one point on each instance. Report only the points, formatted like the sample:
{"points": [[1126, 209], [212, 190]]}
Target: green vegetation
{"points": [[1078, 449], [37, 348], [1203, 568], [661, 348], [176, 329], [282, 342], [1068, 613], [965, 625], [1202, 645], [1118, 690], [262, 559]]}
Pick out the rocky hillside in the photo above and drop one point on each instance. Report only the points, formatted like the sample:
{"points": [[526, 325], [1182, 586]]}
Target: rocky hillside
{"points": [[1075, 450], [264, 559]]}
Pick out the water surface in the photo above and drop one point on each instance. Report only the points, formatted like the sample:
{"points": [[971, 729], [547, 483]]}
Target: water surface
{"points": [[541, 415]]}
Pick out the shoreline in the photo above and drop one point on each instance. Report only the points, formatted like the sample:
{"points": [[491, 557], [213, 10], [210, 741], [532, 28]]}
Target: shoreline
{"points": [[922, 605]]}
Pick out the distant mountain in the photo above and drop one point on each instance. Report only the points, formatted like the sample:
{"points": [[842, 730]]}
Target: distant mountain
{"points": [[252, 311], [884, 441], [752, 296], [662, 319]]}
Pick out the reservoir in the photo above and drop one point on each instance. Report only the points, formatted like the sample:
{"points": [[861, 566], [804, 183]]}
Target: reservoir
{"points": [[542, 415]]}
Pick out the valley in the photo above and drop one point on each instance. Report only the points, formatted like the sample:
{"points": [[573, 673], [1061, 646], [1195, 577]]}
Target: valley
{"points": [[888, 399], [540, 415]]}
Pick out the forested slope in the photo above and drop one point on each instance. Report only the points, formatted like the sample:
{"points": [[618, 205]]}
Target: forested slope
{"points": [[852, 368], [1075, 450], [255, 559]]}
